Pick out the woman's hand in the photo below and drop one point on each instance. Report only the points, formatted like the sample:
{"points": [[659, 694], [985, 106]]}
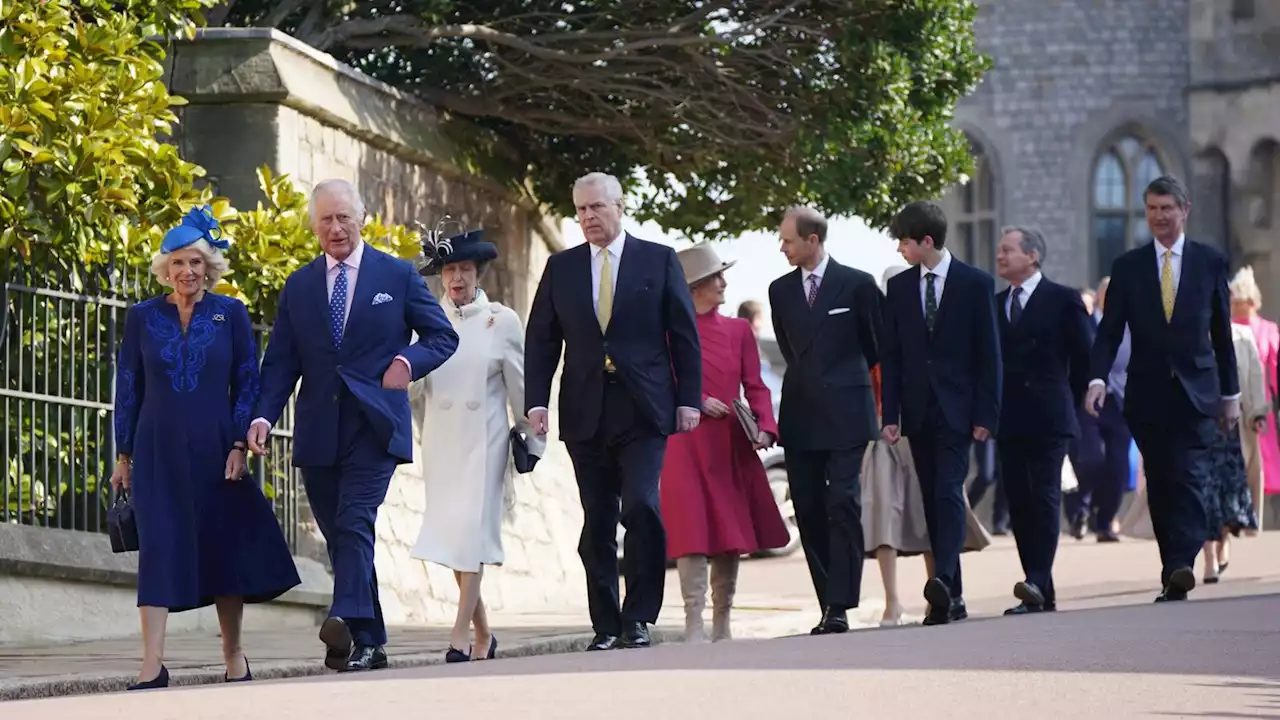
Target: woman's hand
{"points": [[766, 441], [120, 476], [714, 408], [235, 464]]}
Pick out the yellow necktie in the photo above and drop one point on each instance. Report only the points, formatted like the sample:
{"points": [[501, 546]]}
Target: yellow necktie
{"points": [[604, 308], [1166, 285]]}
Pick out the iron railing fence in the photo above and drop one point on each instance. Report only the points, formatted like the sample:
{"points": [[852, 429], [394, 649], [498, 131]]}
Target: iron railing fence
{"points": [[59, 332]]}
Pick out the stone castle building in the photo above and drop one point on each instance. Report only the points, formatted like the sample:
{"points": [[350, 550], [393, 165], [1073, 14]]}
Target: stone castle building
{"points": [[1088, 100]]}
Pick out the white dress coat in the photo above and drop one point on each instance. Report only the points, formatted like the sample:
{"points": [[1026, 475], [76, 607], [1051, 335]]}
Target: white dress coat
{"points": [[465, 436]]}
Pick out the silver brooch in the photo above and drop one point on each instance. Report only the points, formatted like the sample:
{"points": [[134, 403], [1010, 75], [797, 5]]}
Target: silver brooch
{"points": [[218, 318]]}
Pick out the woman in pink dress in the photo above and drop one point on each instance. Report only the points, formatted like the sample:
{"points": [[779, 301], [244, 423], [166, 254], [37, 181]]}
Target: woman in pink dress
{"points": [[1263, 463], [716, 502]]}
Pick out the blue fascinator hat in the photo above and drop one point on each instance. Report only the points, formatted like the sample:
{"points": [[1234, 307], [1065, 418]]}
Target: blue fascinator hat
{"points": [[441, 249], [198, 224]]}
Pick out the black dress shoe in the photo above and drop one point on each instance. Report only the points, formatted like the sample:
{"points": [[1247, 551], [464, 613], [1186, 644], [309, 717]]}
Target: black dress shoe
{"points": [[958, 610], [834, 622], [454, 655], [1078, 528], [367, 657], [336, 637], [1028, 593], [1107, 536], [1181, 582], [938, 596], [603, 641], [1025, 609], [159, 681], [635, 635]]}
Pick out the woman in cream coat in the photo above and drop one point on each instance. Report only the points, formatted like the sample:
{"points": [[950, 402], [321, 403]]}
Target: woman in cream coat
{"points": [[466, 449]]}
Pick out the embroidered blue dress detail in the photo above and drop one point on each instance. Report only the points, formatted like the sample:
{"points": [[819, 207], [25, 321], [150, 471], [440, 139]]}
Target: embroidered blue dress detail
{"points": [[182, 400]]}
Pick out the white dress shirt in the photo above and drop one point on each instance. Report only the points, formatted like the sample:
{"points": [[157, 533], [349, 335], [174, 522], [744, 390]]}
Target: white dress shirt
{"points": [[819, 271], [1028, 286], [939, 281]]}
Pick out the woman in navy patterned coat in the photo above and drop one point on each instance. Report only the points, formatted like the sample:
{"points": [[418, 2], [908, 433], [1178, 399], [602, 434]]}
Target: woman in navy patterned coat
{"points": [[186, 382]]}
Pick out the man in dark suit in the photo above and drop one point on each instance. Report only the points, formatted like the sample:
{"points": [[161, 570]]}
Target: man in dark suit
{"points": [[1172, 294], [632, 376], [941, 360], [1044, 342], [344, 327], [1101, 453], [827, 321]]}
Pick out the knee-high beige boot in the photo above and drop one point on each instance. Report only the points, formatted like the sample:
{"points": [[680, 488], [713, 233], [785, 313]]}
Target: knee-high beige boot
{"points": [[724, 583], [693, 586]]}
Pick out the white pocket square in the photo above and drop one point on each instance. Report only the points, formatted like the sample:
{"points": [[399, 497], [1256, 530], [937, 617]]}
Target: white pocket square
{"points": [[837, 311], [381, 298]]}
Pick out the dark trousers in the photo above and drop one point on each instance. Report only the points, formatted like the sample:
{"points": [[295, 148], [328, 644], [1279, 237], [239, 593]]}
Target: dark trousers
{"points": [[617, 473], [941, 456], [1100, 457], [1031, 469], [826, 491], [1175, 457], [345, 498], [988, 477]]}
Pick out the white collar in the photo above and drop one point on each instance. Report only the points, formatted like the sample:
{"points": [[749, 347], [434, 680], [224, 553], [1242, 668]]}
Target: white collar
{"points": [[614, 248], [944, 266], [1029, 285], [820, 269], [1177, 246], [352, 261]]}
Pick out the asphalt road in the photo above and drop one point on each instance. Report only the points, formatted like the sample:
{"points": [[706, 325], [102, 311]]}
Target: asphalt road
{"points": [[1206, 658]]}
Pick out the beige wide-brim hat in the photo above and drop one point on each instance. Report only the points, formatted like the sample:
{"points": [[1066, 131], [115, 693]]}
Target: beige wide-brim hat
{"points": [[701, 262]]}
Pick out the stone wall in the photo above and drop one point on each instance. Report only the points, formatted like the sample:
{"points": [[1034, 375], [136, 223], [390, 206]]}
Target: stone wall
{"points": [[1235, 128], [1068, 77], [258, 96]]}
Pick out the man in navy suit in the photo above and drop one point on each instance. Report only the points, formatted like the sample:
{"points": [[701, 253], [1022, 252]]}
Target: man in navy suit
{"points": [[1172, 295], [827, 320], [620, 310], [344, 327], [941, 375], [1044, 342]]}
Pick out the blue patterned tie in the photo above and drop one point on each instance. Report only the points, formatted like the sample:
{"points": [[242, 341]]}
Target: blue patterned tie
{"points": [[338, 305]]}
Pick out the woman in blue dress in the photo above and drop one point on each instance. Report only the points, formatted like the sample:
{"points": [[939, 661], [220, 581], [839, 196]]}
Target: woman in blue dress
{"points": [[186, 382]]}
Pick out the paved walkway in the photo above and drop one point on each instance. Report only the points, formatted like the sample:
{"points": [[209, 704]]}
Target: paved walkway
{"points": [[775, 600]]}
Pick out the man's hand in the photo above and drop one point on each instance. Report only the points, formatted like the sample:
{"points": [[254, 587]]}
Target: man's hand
{"points": [[1229, 415], [1260, 424], [538, 421], [258, 436], [890, 434], [236, 464], [715, 408], [687, 419], [766, 441], [396, 377], [1094, 399], [980, 434]]}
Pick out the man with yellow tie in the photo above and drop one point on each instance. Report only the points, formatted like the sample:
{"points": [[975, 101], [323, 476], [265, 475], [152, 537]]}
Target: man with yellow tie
{"points": [[620, 310], [1172, 294]]}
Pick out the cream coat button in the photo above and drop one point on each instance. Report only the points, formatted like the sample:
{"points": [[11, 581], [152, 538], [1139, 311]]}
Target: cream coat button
{"points": [[445, 403], [473, 404]]}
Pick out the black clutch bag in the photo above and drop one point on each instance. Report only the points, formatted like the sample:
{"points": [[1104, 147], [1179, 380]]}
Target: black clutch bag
{"points": [[524, 462], [121, 525]]}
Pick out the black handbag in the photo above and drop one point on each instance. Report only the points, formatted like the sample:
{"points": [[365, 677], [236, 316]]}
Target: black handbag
{"points": [[121, 525], [524, 462]]}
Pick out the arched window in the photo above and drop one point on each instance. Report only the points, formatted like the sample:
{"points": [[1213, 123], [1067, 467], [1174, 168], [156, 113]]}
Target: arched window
{"points": [[973, 213], [1120, 176]]}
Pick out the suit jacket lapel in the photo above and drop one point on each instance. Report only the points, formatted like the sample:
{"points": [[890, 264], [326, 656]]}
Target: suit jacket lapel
{"points": [[1002, 312], [1149, 277], [316, 293], [580, 284], [950, 286], [828, 288], [362, 297], [1186, 280], [630, 271]]}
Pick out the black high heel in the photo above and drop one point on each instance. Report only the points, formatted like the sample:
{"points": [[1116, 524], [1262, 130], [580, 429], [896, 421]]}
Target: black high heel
{"points": [[493, 647], [454, 655], [248, 674], [159, 681]]}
